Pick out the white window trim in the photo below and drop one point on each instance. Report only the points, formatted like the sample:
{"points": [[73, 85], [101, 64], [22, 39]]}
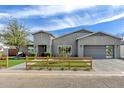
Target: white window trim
{"points": [[62, 46]]}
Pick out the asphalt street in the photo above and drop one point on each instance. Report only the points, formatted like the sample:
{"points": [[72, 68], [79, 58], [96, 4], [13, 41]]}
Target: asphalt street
{"points": [[32, 80]]}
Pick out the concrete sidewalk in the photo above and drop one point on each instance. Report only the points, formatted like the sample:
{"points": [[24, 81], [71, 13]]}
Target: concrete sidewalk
{"points": [[59, 73], [18, 67]]}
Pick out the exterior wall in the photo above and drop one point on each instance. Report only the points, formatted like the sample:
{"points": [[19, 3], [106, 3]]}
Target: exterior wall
{"points": [[12, 52], [42, 39], [122, 51], [23, 49], [117, 51], [26, 49], [99, 40], [68, 40]]}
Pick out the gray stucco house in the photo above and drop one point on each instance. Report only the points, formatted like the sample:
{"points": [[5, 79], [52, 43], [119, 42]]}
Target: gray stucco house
{"points": [[79, 43], [122, 49]]}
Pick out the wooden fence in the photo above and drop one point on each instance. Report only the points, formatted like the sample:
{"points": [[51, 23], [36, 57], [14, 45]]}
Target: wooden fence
{"points": [[51, 62], [3, 61]]}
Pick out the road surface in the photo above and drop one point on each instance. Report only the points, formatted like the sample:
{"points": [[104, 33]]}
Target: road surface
{"points": [[32, 80]]}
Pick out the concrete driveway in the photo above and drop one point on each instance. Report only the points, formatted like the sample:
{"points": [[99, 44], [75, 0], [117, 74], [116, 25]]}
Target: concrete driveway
{"points": [[108, 65]]}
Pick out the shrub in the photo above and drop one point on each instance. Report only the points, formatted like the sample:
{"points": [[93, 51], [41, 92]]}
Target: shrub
{"points": [[32, 54], [40, 68], [49, 68], [75, 69], [62, 68], [47, 54], [87, 69]]}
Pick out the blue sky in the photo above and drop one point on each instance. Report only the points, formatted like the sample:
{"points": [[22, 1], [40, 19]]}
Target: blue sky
{"points": [[61, 19]]}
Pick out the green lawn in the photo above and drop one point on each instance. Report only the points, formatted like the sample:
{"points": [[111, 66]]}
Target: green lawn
{"points": [[52, 64], [65, 64], [13, 62]]}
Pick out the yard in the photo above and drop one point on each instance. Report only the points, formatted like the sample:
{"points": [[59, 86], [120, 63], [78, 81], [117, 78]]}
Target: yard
{"points": [[13, 62], [50, 64], [64, 65], [59, 63]]}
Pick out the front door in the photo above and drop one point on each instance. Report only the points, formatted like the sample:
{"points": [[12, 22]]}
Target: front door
{"points": [[42, 49]]}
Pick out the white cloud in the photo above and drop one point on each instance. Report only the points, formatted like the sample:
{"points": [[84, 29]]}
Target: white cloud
{"points": [[1, 26], [52, 10], [112, 18], [48, 10], [89, 19], [73, 20], [50, 27], [26, 13], [3, 15], [76, 20], [67, 22]]}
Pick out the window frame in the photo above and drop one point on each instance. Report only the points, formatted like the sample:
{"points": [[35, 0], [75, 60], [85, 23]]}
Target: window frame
{"points": [[62, 46]]}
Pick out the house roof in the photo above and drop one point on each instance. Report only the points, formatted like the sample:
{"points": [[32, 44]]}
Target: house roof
{"points": [[81, 30], [97, 33], [41, 31]]}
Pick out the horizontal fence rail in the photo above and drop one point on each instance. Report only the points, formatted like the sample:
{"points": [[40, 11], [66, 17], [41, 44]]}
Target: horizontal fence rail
{"points": [[59, 62]]}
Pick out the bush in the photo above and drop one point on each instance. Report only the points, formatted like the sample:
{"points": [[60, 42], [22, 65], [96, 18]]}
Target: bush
{"points": [[87, 69], [62, 68], [32, 54], [49, 68], [47, 54], [40, 68], [74, 69]]}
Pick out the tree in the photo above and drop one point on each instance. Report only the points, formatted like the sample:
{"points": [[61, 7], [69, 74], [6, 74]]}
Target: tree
{"points": [[15, 34]]}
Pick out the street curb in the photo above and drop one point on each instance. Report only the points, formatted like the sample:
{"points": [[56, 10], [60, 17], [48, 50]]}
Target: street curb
{"points": [[60, 73]]}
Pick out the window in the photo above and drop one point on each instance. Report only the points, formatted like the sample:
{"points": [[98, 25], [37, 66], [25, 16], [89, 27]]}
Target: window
{"points": [[65, 50], [109, 51]]}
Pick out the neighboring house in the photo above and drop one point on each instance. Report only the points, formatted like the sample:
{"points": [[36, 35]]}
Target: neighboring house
{"points": [[122, 49], [28, 48], [3, 49], [79, 43]]}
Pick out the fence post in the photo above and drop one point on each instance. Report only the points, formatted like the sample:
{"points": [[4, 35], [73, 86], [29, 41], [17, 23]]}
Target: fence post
{"points": [[47, 62], [69, 64], [7, 62], [91, 62], [26, 63], [64, 60]]}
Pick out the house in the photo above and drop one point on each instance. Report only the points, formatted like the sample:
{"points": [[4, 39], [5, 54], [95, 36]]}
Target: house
{"points": [[122, 49], [43, 42], [29, 48], [3, 50], [79, 43]]}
